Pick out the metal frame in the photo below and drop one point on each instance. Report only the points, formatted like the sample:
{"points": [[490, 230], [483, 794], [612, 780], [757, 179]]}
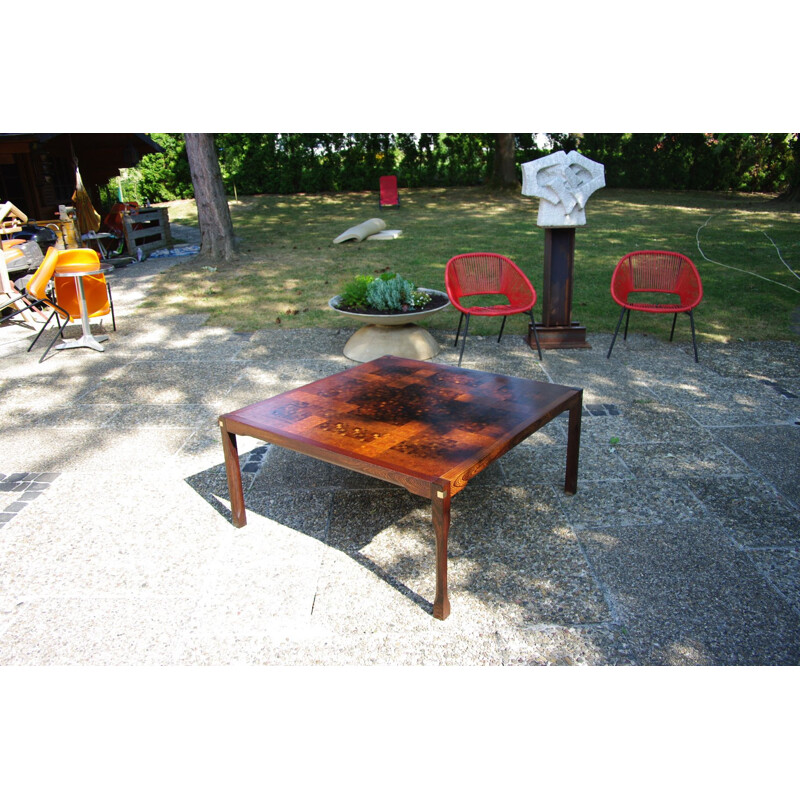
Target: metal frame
{"points": [[690, 312], [502, 326]]}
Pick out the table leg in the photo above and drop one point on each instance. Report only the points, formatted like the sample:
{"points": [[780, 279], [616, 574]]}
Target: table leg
{"points": [[441, 526], [234, 473], [85, 324], [573, 446]]}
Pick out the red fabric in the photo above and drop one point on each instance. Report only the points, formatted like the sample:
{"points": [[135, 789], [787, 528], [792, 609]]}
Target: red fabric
{"points": [[112, 222]]}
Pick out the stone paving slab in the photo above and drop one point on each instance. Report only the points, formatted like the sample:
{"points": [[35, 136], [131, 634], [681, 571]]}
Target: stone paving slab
{"points": [[767, 451], [681, 547], [686, 594]]}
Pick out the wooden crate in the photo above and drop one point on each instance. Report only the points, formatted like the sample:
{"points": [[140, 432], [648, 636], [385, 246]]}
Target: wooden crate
{"points": [[146, 229]]}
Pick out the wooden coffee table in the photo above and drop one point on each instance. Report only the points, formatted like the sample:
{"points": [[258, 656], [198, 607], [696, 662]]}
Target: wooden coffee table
{"points": [[427, 427]]}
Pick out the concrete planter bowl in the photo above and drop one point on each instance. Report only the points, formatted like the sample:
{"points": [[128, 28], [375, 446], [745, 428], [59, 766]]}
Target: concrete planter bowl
{"points": [[391, 334]]}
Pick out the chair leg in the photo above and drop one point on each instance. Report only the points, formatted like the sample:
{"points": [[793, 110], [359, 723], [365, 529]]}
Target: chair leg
{"points": [[41, 331], [505, 317], [460, 320], [694, 341], [503, 324], [464, 341], [674, 319], [535, 334], [111, 303], [59, 333], [614, 338], [29, 306], [627, 320]]}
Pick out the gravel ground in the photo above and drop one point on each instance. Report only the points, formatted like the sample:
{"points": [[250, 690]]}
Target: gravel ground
{"points": [[681, 547]]}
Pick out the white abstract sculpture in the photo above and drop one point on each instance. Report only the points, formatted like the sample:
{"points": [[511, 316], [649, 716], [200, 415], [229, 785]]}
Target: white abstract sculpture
{"points": [[563, 182]]}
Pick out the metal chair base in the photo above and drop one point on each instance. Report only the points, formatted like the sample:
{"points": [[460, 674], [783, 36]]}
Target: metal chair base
{"points": [[690, 312], [502, 326]]}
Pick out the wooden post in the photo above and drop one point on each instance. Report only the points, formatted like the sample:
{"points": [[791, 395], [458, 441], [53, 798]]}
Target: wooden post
{"points": [[557, 330]]}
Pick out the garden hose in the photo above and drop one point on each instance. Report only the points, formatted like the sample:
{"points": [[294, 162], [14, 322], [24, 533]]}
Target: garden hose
{"points": [[780, 256], [747, 272]]}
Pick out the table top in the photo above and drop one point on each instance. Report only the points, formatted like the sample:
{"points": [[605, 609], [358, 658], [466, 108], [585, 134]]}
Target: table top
{"points": [[82, 273], [436, 423]]}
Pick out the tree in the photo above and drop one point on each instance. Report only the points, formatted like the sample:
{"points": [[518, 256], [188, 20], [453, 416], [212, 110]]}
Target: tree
{"points": [[165, 176], [213, 215], [504, 171], [792, 192]]}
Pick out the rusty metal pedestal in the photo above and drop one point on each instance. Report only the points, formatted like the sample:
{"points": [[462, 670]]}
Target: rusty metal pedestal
{"points": [[557, 330]]}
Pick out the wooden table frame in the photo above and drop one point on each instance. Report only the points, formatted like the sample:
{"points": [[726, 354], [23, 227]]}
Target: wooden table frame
{"points": [[426, 427]]}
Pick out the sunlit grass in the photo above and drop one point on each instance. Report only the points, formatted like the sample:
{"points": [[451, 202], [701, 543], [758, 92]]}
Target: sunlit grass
{"points": [[290, 268]]}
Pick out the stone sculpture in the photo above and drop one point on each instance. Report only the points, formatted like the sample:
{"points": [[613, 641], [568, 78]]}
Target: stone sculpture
{"points": [[563, 183]]}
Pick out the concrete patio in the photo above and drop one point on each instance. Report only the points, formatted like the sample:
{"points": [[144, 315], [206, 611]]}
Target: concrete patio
{"points": [[681, 547]]}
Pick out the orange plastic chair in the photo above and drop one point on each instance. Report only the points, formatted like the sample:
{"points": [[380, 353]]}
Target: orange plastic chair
{"points": [[473, 275], [10, 248], [65, 306], [662, 275], [389, 195], [36, 297], [99, 302]]}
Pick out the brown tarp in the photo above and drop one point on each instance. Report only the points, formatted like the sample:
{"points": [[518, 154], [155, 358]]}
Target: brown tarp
{"points": [[88, 219]]}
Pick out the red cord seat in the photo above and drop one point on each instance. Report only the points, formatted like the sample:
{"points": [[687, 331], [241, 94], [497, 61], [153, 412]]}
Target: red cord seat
{"points": [[472, 275], [660, 272]]}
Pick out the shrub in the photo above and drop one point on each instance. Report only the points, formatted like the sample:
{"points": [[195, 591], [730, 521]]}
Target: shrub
{"points": [[390, 295]]}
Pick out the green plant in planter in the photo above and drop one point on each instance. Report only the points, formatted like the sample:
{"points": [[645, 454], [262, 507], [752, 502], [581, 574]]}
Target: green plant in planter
{"points": [[354, 294], [390, 292]]}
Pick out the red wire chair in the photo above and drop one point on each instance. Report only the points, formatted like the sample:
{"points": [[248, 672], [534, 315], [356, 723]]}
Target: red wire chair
{"points": [[658, 272], [479, 274]]}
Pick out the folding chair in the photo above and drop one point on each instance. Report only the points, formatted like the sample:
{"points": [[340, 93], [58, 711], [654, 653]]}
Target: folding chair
{"points": [[36, 297], [388, 194], [65, 304]]}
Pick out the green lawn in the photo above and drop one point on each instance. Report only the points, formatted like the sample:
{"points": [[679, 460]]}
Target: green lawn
{"points": [[290, 267]]}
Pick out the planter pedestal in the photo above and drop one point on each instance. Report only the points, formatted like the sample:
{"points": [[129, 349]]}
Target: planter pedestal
{"points": [[404, 341], [557, 330], [391, 334]]}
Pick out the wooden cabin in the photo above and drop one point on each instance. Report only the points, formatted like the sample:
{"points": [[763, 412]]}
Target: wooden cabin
{"points": [[37, 170]]}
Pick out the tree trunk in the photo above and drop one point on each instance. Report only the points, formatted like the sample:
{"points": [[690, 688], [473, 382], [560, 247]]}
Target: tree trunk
{"points": [[504, 171], [792, 192], [213, 214]]}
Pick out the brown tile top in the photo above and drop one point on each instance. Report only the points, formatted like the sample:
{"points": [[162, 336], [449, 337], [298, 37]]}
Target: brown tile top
{"points": [[425, 420]]}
